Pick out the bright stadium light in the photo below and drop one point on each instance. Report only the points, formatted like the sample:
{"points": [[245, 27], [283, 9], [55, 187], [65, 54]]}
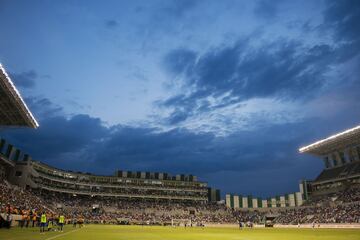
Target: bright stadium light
{"points": [[306, 148], [28, 112]]}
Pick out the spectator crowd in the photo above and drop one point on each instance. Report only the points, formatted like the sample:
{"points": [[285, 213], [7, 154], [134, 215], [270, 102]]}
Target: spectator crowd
{"points": [[30, 204]]}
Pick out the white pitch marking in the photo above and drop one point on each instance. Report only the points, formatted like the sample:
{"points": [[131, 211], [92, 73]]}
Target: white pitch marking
{"points": [[53, 237]]}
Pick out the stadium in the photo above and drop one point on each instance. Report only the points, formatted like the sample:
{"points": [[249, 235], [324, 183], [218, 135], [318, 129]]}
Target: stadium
{"points": [[157, 205], [180, 120]]}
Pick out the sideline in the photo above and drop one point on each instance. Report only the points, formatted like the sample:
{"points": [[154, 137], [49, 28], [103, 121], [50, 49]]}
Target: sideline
{"points": [[63, 234]]}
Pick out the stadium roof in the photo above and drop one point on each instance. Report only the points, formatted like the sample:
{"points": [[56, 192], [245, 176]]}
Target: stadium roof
{"points": [[333, 143], [13, 109]]}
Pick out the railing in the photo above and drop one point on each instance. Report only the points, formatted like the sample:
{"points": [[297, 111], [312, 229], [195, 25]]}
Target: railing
{"points": [[122, 185], [124, 195]]}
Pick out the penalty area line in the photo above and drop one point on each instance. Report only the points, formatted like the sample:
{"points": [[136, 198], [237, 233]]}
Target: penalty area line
{"points": [[63, 234]]}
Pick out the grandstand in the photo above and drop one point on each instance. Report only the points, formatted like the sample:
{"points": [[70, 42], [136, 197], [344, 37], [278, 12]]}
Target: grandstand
{"points": [[125, 184], [332, 197], [13, 109], [341, 156], [125, 196], [157, 198], [13, 113]]}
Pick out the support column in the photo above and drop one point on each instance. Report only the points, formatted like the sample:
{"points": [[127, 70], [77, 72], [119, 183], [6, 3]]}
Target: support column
{"points": [[273, 202], [326, 162], [292, 200], [299, 199], [337, 158], [340, 158], [282, 201], [334, 161], [227, 200], [264, 203], [356, 151], [254, 203], [348, 155], [330, 160], [245, 202], [236, 202]]}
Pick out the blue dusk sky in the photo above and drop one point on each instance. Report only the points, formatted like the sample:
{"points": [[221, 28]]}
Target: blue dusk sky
{"points": [[226, 90]]}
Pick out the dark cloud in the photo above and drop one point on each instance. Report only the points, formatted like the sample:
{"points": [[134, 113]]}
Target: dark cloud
{"points": [[179, 60], [43, 108], [182, 151], [343, 18], [72, 142], [111, 24], [284, 70], [25, 79], [178, 8], [59, 140], [266, 9], [268, 155], [57, 136], [177, 117]]}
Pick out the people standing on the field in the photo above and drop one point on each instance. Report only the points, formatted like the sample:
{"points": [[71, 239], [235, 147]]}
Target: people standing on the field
{"points": [[61, 222], [74, 221], [50, 225], [43, 222], [28, 219], [22, 221], [8, 220], [34, 218], [80, 222]]}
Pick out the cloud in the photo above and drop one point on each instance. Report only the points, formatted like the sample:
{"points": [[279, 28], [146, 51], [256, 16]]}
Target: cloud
{"points": [[286, 70], [183, 151], [82, 142], [179, 60], [290, 71], [111, 24], [43, 108], [178, 8], [266, 9], [177, 117], [267, 155], [58, 136], [25, 79], [343, 18]]}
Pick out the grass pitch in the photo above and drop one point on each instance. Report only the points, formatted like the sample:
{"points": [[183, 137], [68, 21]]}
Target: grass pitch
{"points": [[108, 232]]}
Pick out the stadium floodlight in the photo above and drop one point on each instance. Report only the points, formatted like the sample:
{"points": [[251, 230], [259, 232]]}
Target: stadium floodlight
{"points": [[318, 143], [14, 95]]}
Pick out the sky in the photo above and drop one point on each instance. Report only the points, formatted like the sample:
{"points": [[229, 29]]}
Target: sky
{"points": [[225, 90]]}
